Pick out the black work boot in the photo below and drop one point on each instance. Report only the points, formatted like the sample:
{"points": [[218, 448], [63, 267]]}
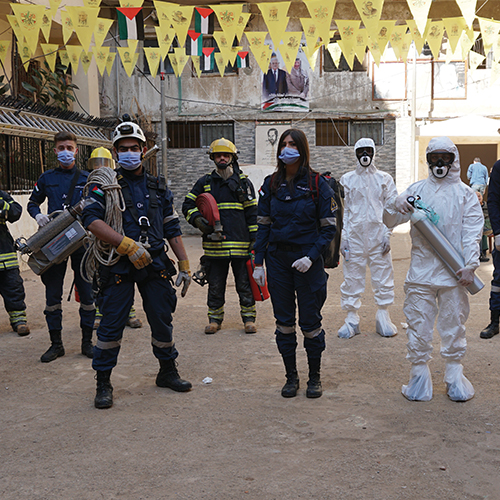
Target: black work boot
{"points": [[314, 389], [87, 347], [492, 329], [104, 392], [168, 376], [56, 350], [291, 387]]}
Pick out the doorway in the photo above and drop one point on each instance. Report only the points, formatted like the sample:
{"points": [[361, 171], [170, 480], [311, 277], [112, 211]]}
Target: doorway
{"points": [[467, 152]]}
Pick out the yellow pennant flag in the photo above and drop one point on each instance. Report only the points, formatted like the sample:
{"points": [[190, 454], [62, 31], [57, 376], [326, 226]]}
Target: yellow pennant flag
{"points": [[165, 37], [348, 51], [182, 58], [256, 41], [369, 11], [197, 65], [29, 18], [64, 56], [101, 29], [67, 26], [92, 3], [15, 27], [465, 43], [434, 37], [223, 41], [54, 5], [101, 57], [262, 54], [374, 50], [322, 12], [397, 37], [4, 48], [242, 24], [496, 49], [454, 28], [468, 9], [416, 35], [24, 53], [310, 32], [153, 57], [127, 56], [360, 43], [405, 46], [312, 53], [233, 53], [228, 16], [50, 53], [495, 72], [110, 61], [384, 34], [74, 52], [131, 3], [276, 19], [335, 52], [84, 21], [290, 48], [475, 60], [180, 17], [173, 63], [46, 25], [163, 12], [86, 59], [489, 32], [420, 11], [221, 62]]}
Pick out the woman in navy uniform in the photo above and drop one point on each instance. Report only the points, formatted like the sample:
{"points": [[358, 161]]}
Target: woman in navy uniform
{"points": [[296, 219]]}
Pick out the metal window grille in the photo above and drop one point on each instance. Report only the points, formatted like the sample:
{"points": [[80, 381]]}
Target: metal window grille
{"points": [[212, 131], [373, 129], [190, 135], [332, 132]]}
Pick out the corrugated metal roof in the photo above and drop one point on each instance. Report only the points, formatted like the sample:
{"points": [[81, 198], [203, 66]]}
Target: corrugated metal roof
{"points": [[26, 124]]}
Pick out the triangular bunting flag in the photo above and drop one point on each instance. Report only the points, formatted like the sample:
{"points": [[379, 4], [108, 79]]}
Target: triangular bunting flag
{"points": [[182, 58], [275, 17], [228, 16], [360, 43], [468, 9], [50, 53], [434, 37], [180, 17], [64, 56], [84, 21], [165, 37], [221, 62], [86, 59], [67, 26], [416, 35], [384, 34], [348, 51], [29, 18], [475, 60], [208, 58], [369, 12], [290, 48], [127, 56], [420, 11], [101, 58], [397, 37], [489, 32], [335, 52], [153, 57], [322, 12], [92, 3], [24, 53], [374, 51], [310, 32], [15, 27], [495, 72], [101, 30], [131, 3], [197, 65], [110, 61], [74, 52], [242, 24], [454, 28], [46, 24], [54, 5], [4, 49]]}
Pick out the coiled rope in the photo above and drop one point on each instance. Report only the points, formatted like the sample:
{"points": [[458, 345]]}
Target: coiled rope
{"points": [[98, 251]]}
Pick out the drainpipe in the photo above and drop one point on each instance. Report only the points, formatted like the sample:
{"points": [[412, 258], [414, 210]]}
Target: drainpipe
{"points": [[163, 164], [117, 75], [179, 95], [414, 162]]}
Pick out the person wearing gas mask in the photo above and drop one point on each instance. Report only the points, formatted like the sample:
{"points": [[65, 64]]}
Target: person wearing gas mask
{"points": [[235, 196], [62, 187], [366, 241], [431, 289], [148, 220]]}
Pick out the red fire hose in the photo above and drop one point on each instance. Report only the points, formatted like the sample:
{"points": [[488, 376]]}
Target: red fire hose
{"points": [[208, 208]]}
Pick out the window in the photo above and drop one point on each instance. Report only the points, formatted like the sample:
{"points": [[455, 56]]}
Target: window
{"points": [[191, 135], [348, 132]]}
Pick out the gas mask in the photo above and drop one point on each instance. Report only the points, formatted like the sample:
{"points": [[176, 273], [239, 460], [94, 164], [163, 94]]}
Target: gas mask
{"points": [[365, 156], [440, 163]]}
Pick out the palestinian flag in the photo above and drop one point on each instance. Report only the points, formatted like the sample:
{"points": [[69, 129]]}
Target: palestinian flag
{"points": [[130, 23], [208, 58], [242, 60], [204, 20], [195, 43]]}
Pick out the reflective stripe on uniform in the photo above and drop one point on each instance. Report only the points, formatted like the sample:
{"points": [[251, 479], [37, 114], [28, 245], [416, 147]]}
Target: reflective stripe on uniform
{"points": [[207, 188], [53, 308], [314, 333], [191, 212], [495, 289], [9, 260], [229, 206], [328, 221], [264, 219], [250, 203], [285, 329], [161, 345], [175, 215], [251, 229], [108, 345], [217, 314], [226, 253], [191, 196], [87, 307], [17, 317], [248, 312]]}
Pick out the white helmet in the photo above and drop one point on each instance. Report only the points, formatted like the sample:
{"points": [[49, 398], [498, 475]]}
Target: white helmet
{"points": [[126, 130]]}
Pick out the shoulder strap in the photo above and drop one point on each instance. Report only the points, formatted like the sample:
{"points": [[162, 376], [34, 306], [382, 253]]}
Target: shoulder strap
{"points": [[72, 186]]}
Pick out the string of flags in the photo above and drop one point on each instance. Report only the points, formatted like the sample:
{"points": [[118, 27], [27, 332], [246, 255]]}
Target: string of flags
{"points": [[231, 45]]}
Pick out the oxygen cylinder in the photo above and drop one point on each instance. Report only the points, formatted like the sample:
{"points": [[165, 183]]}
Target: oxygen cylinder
{"points": [[260, 293], [443, 248]]}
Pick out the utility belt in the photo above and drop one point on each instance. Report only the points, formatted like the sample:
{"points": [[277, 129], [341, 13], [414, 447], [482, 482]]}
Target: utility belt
{"points": [[288, 247]]}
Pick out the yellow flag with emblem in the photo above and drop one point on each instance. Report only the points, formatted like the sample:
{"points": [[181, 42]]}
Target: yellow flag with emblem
{"points": [[4, 49], [110, 61], [276, 19], [228, 16], [101, 30], [29, 18], [153, 57], [74, 52], [100, 57], [321, 12], [50, 53], [84, 21]]}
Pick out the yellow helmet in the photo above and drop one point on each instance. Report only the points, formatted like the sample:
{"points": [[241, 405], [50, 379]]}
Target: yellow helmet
{"points": [[100, 157], [222, 146]]}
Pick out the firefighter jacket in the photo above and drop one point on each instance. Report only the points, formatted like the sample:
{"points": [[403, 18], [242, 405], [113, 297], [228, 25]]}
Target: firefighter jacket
{"points": [[494, 198], [54, 185], [237, 205], [10, 211], [144, 198], [296, 219]]}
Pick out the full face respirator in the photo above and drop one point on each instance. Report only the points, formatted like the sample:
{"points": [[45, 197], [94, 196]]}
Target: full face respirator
{"points": [[365, 156], [440, 163]]}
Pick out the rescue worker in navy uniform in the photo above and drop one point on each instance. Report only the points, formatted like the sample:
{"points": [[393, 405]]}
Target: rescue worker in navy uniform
{"points": [[149, 217], [62, 187], [297, 220], [11, 283], [235, 197]]}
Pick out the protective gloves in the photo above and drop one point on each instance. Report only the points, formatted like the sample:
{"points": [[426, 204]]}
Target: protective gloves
{"points": [[302, 265], [344, 249], [466, 276], [202, 224], [42, 219], [386, 245], [497, 242], [184, 276], [402, 205], [135, 251], [259, 275]]}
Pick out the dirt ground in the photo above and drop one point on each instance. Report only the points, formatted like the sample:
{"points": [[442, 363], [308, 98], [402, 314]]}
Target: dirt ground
{"points": [[237, 438]]}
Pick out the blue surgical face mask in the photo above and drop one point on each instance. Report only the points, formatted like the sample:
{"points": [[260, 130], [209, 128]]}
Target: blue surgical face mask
{"points": [[289, 155], [65, 157], [130, 160]]}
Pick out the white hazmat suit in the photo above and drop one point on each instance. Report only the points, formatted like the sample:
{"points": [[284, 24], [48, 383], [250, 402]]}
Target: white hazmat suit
{"points": [[431, 289], [366, 241]]}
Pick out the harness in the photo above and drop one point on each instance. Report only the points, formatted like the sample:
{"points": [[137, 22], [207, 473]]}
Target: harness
{"points": [[154, 185]]}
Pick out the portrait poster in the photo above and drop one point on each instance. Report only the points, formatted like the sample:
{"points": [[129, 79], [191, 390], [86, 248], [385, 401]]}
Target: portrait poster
{"points": [[267, 135], [286, 89]]}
